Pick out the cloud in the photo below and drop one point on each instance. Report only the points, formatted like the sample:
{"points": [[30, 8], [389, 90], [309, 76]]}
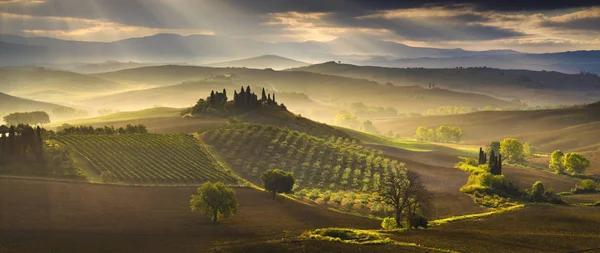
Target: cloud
{"points": [[586, 20]]}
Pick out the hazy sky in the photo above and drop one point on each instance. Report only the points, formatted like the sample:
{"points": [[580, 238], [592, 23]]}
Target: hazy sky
{"points": [[543, 26]]}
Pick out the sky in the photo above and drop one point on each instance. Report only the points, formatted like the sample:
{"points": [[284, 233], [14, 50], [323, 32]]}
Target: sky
{"points": [[527, 26]]}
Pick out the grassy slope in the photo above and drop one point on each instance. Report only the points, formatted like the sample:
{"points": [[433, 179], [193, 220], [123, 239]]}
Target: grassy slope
{"points": [[566, 129], [536, 86], [318, 86]]}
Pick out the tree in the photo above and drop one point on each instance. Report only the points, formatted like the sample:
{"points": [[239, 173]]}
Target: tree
{"points": [[214, 200], [575, 163], [421, 133], [495, 146], [404, 191], [528, 150], [537, 191], [511, 149], [556, 161], [277, 181]]}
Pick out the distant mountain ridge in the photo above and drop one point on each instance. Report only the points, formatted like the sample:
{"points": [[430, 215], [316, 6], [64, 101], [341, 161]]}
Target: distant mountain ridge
{"points": [[262, 62], [10, 104]]}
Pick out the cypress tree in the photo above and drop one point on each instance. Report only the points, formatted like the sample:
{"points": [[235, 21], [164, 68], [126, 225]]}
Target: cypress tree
{"points": [[499, 169], [264, 95], [480, 156], [269, 99], [274, 98], [11, 141], [248, 91], [492, 162]]}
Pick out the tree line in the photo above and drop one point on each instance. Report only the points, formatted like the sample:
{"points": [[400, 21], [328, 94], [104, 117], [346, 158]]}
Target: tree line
{"points": [[440, 134], [21, 143], [66, 129]]}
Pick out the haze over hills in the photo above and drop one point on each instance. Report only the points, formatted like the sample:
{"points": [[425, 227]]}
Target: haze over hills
{"points": [[9, 104], [107, 66], [533, 87], [53, 85], [261, 62], [318, 87]]}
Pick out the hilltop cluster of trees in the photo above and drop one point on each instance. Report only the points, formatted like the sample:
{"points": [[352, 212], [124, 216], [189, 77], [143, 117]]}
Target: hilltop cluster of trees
{"points": [[129, 129], [441, 134], [28, 118], [245, 99], [573, 163], [21, 143]]}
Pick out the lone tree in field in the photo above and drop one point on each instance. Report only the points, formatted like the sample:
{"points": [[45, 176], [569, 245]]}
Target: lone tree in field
{"points": [[511, 149], [214, 200], [404, 191], [575, 163], [277, 181]]}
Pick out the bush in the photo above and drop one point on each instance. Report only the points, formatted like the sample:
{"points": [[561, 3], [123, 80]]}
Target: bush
{"points": [[556, 162], [107, 177], [418, 221], [389, 223], [538, 193], [586, 185], [575, 163], [511, 149]]}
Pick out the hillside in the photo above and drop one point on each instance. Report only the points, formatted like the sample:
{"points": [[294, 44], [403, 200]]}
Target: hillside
{"points": [[53, 85], [330, 167], [10, 104], [533, 87], [144, 158], [261, 62], [565, 129], [318, 87]]}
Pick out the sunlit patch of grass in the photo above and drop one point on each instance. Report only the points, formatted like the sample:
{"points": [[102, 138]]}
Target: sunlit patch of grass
{"points": [[359, 236], [473, 216]]}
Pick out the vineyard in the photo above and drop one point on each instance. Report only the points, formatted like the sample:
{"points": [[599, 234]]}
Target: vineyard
{"points": [[146, 158], [335, 169]]}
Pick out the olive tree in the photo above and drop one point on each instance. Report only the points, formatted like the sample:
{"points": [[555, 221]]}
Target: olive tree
{"points": [[214, 200]]}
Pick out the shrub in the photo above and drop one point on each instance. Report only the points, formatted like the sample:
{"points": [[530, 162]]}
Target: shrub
{"points": [[511, 149], [314, 194], [418, 221], [556, 162], [586, 185], [107, 177], [389, 223]]}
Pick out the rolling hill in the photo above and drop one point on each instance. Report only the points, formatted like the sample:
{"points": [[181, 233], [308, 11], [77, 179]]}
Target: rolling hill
{"points": [[572, 129], [261, 62], [533, 87], [54, 85], [108, 66], [10, 104], [319, 87]]}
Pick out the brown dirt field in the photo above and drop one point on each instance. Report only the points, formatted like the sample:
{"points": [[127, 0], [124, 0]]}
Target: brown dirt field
{"points": [[47, 216], [444, 181], [538, 228], [587, 198], [525, 177]]}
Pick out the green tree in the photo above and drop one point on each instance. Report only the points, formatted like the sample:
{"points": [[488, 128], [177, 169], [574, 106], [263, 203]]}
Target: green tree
{"points": [[214, 200], [511, 149], [277, 181], [575, 163], [537, 191], [421, 133], [528, 150], [556, 161]]}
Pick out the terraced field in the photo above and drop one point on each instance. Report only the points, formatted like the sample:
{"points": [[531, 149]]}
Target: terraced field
{"points": [[146, 158]]}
